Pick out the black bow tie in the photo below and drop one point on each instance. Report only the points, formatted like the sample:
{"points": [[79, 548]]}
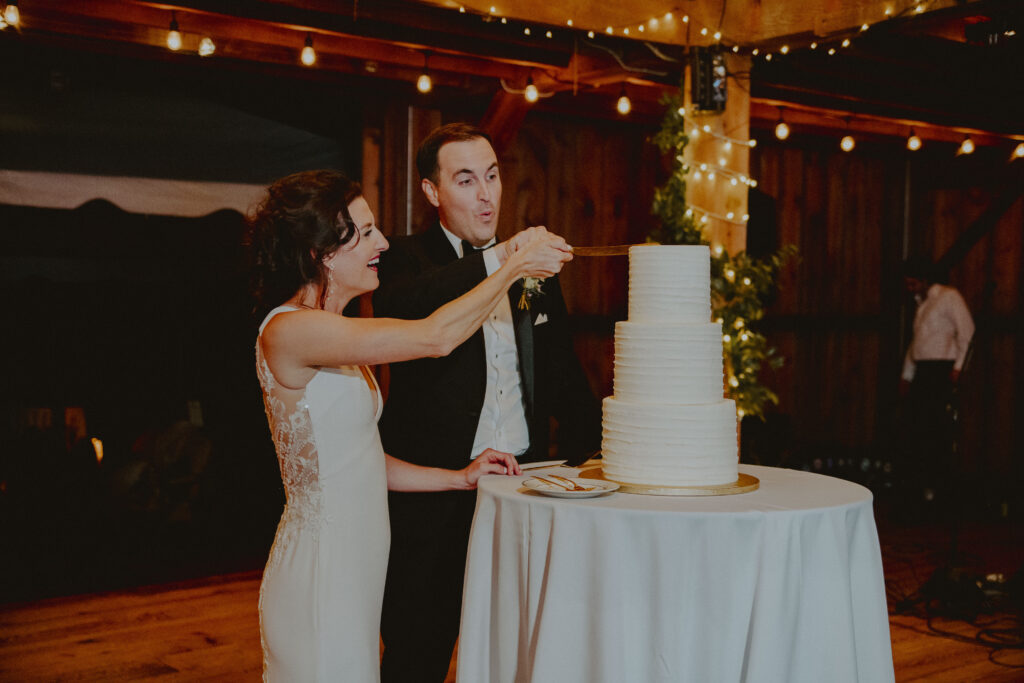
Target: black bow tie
{"points": [[468, 248]]}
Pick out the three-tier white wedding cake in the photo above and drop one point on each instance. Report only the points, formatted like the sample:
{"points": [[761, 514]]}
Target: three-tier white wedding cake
{"points": [[667, 423]]}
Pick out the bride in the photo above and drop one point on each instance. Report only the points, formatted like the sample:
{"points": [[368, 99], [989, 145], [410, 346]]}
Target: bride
{"points": [[316, 248]]}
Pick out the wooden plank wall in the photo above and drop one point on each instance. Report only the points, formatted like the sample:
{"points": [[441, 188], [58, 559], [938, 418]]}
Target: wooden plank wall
{"points": [[841, 318]]}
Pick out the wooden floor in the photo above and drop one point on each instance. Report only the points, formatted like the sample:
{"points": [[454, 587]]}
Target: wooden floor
{"points": [[207, 630]]}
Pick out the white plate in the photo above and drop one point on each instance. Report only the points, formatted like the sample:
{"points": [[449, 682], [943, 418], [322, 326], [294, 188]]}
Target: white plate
{"points": [[594, 487], [542, 463]]}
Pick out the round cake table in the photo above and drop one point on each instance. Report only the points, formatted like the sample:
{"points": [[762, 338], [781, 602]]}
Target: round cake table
{"points": [[783, 584]]}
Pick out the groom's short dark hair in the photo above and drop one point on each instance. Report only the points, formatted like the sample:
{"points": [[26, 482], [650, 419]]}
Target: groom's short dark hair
{"points": [[426, 155]]}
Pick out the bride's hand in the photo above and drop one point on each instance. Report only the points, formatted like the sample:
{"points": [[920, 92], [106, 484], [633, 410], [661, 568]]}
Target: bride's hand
{"points": [[540, 253], [490, 462]]}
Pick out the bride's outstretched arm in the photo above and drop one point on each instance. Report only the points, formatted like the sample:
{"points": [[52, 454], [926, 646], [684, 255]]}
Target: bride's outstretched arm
{"points": [[296, 343], [404, 476]]}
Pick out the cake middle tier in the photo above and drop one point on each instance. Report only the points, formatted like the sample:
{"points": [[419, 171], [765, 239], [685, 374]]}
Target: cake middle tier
{"points": [[668, 364]]}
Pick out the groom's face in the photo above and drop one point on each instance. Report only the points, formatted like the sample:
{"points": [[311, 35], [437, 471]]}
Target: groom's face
{"points": [[467, 193]]}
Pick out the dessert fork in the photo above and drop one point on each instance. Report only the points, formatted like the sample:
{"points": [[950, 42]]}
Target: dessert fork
{"points": [[570, 482]]}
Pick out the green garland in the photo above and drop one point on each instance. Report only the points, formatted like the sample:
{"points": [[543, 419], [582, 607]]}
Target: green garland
{"points": [[740, 283]]}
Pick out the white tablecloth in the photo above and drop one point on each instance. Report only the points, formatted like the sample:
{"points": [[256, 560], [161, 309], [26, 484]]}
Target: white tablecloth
{"points": [[783, 584]]}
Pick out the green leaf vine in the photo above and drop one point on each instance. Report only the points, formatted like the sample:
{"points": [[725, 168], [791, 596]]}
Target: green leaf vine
{"points": [[740, 283]]}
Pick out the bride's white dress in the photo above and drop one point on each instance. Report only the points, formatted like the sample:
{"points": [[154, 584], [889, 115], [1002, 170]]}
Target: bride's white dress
{"points": [[320, 599]]}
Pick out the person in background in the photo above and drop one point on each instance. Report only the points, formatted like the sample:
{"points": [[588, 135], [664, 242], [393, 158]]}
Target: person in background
{"points": [[938, 350], [497, 391]]}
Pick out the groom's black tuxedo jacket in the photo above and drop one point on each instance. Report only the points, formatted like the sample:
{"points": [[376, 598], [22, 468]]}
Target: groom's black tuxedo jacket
{"points": [[433, 405]]}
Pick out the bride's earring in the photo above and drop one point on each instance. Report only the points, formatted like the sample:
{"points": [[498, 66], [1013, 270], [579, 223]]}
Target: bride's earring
{"points": [[330, 282]]}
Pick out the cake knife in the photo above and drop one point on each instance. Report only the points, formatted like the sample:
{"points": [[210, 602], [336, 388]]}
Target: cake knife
{"points": [[613, 250]]}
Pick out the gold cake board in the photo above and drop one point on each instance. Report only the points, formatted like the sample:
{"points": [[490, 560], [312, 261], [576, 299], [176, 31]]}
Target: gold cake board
{"points": [[745, 484]]}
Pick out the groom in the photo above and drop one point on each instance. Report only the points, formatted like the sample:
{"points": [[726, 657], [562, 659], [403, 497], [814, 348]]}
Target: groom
{"points": [[498, 390]]}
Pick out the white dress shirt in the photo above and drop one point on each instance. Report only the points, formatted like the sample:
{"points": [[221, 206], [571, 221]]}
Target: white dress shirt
{"points": [[502, 424], [943, 328]]}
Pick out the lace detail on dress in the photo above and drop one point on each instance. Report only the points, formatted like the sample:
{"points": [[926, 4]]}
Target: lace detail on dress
{"points": [[297, 456]]}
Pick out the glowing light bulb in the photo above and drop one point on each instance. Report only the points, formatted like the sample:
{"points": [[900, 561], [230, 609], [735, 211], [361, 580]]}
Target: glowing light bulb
{"points": [[784, 49], [11, 14], [173, 35], [1018, 152], [727, 146], [782, 130], [308, 56], [424, 84], [718, 249], [623, 105], [733, 382], [531, 93], [738, 324], [913, 142], [726, 338], [681, 111], [206, 47], [730, 274], [526, 31], [847, 143], [746, 281], [967, 146]]}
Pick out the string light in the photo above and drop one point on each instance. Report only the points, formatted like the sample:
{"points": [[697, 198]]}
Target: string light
{"points": [[173, 35], [781, 130], [308, 55], [206, 47], [531, 94], [913, 142], [11, 14], [623, 105], [424, 84], [967, 146], [1018, 152], [847, 143]]}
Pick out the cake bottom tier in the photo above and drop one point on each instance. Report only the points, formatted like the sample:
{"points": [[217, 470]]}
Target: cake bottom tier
{"points": [[670, 445]]}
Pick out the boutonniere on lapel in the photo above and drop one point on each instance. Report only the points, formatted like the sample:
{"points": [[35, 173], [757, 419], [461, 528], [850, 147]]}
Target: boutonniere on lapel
{"points": [[531, 290]]}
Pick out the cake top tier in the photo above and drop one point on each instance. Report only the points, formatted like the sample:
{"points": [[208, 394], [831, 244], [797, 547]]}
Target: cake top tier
{"points": [[670, 283]]}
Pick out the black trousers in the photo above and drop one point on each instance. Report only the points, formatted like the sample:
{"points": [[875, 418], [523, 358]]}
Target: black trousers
{"points": [[929, 426], [423, 593]]}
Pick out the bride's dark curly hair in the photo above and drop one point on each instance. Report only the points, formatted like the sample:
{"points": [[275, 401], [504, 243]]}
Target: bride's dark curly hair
{"points": [[303, 218]]}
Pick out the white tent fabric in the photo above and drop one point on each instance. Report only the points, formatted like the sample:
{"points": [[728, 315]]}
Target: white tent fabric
{"points": [[154, 196]]}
